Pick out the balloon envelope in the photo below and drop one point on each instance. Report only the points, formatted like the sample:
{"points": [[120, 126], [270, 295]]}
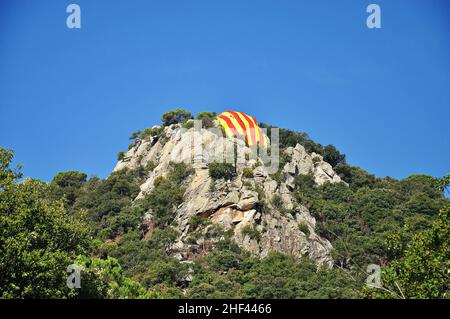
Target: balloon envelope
{"points": [[239, 124]]}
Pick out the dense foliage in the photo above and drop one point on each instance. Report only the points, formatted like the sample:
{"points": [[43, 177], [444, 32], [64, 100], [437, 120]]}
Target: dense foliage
{"points": [[218, 170], [167, 193], [207, 118], [175, 117], [422, 268], [230, 273], [291, 138], [40, 238]]}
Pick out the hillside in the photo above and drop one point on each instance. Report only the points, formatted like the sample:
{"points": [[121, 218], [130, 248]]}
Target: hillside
{"points": [[262, 214], [174, 220]]}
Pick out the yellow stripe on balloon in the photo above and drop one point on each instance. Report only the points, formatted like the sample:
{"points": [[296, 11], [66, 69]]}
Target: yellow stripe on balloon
{"points": [[241, 124], [247, 126], [227, 129], [235, 123], [256, 128]]}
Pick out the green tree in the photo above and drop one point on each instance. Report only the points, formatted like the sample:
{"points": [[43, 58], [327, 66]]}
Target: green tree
{"points": [[167, 193], [109, 203], [175, 117], [355, 176], [7, 174], [332, 155], [207, 118], [210, 285], [38, 240], [147, 262], [103, 278], [421, 183], [443, 183], [68, 185], [423, 270]]}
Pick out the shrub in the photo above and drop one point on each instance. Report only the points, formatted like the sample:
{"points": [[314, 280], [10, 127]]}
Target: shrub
{"points": [[164, 197], [155, 131], [188, 124], [303, 228], [197, 220], [221, 170], [120, 156], [207, 118], [192, 238], [212, 186], [131, 145], [304, 182], [251, 232], [69, 179], [215, 230], [167, 193], [180, 171], [284, 158], [291, 138], [164, 237], [333, 156], [103, 278], [68, 184], [247, 172], [421, 183], [223, 260], [277, 201], [355, 176], [279, 176], [117, 224], [175, 117], [284, 211], [260, 191], [150, 166], [135, 135]]}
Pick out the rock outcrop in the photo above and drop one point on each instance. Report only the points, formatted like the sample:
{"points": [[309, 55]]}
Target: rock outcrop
{"points": [[246, 202]]}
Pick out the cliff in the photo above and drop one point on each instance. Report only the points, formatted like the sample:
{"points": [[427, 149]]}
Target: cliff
{"points": [[259, 210]]}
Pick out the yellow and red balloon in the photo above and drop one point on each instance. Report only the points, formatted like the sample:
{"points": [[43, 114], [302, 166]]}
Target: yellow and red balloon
{"points": [[239, 124]]}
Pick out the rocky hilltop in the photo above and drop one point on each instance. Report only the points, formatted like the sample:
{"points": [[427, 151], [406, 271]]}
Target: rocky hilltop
{"points": [[260, 212], [189, 213]]}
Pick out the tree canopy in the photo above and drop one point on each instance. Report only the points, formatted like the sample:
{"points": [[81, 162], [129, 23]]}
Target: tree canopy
{"points": [[175, 117]]}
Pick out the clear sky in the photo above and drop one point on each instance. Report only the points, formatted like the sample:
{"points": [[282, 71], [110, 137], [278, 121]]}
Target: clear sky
{"points": [[69, 99]]}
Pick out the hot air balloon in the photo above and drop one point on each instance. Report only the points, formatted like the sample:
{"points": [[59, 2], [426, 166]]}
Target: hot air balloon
{"points": [[239, 124]]}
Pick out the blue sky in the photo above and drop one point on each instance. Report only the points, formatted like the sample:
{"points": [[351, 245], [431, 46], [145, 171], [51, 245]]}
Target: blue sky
{"points": [[69, 99]]}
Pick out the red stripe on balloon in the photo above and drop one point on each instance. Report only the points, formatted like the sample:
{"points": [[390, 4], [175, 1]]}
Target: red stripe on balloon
{"points": [[243, 126], [229, 123], [252, 128]]}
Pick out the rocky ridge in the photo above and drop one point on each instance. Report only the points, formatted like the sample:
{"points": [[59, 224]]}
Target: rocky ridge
{"points": [[246, 202]]}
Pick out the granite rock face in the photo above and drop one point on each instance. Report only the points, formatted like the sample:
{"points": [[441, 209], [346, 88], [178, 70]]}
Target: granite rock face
{"points": [[247, 202]]}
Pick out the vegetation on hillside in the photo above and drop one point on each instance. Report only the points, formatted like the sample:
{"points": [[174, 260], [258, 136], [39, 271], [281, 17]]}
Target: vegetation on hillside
{"points": [[401, 225]]}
